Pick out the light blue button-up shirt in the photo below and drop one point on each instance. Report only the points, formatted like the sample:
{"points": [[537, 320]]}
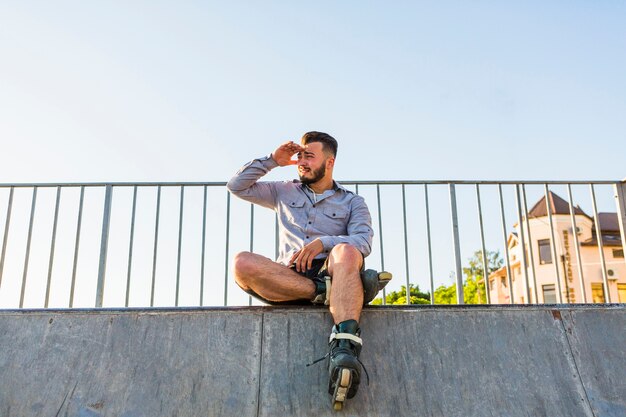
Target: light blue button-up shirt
{"points": [[336, 216]]}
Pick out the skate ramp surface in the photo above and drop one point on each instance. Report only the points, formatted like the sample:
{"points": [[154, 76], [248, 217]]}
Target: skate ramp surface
{"points": [[422, 361]]}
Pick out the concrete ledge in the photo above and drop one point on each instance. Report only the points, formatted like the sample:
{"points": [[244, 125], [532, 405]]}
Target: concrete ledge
{"points": [[250, 361]]}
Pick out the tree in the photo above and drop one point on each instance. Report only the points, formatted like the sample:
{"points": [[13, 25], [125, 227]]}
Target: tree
{"points": [[445, 295], [474, 284], [475, 268], [399, 297]]}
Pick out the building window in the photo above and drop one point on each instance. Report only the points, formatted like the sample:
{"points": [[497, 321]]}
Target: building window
{"points": [[545, 254], [621, 292], [549, 294], [618, 253], [597, 292]]}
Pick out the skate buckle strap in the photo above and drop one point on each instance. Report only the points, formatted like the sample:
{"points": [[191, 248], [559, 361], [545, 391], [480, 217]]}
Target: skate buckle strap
{"points": [[348, 336], [328, 281]]}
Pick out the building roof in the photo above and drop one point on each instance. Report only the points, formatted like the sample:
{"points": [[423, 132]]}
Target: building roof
{"points": [[607, 240], [609, 225], [608, 222], [557, 206]]}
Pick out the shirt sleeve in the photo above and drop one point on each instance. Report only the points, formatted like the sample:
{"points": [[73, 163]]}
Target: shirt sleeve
{"points": [[359, 228], [244, 184]]}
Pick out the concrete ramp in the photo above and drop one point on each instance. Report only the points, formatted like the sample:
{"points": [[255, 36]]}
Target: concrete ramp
{"points": [[422, 361]]}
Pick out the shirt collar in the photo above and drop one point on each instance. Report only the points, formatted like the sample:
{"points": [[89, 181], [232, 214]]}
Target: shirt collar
{"points": [[336, 186]]}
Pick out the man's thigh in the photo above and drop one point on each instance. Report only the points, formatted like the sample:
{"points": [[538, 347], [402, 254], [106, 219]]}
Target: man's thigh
{"points": [[317, 272]]}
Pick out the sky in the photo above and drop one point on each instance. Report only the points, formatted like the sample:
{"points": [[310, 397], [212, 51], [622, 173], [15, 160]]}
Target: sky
{"points": [[190, 91]]}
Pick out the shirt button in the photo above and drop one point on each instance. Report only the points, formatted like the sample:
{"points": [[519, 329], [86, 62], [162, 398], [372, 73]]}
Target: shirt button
{"points": [[309, 222], [313, 205], [307, 237]]}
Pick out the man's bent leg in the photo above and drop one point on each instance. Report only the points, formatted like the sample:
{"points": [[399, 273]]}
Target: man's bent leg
{"points": [[346, 302], [270, 280]]}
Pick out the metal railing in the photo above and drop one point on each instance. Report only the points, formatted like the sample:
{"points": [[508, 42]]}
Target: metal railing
{"points": [[167, 244]]}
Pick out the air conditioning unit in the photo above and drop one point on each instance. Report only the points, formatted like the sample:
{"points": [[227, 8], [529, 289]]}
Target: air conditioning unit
{"points": [[611, 274]]}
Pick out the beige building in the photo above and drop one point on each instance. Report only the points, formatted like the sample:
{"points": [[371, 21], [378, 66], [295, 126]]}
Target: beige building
{"points": [[541, 256]]}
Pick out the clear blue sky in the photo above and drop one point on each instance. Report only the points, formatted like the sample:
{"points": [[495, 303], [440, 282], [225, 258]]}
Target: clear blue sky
{"points": [[157, 90], [189, 91]]}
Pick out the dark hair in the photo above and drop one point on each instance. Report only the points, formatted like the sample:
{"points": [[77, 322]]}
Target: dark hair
{"points": [[329, 144]]}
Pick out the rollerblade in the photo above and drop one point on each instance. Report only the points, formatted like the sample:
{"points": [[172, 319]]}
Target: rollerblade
{"points": [[373, 281], [344, 367], [322, 291]]}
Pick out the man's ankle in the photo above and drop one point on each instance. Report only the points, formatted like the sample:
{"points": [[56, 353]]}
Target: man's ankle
{"points": [[348, 326]]}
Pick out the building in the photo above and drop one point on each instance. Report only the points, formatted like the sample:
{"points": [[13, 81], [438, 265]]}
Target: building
{"points": [[543, 264]]}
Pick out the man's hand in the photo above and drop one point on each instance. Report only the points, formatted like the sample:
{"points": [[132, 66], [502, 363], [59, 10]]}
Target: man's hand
{"points": [[303, 259], [282, 155]]}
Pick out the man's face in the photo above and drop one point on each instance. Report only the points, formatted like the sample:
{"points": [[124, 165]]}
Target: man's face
{"points": [[312, 163]]}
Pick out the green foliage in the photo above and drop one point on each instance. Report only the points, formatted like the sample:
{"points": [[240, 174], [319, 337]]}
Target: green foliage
{"points": [[474, 292], [475, 268], [445, 295], [399, 297], [473, 284]]}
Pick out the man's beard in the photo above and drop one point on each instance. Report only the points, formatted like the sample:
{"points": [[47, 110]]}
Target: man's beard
{"points": [[316, 175]]}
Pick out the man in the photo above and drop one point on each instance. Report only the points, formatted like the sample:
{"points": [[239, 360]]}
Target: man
{"points": [[325, 231]]}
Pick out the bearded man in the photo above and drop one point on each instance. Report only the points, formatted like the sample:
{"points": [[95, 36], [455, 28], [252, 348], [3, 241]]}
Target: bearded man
{"points": [[325, 232]]}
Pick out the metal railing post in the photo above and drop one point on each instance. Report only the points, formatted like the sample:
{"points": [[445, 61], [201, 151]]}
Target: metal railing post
{"points": [[276, 236], [430, 250], [530, 247], [156, 245], [380, 235], [555, 255], [204, 203], [406, 247], [6, 233], [596, 219], [251, 240], [54, 236], [620, 201], [572, 213], [30, 235], [483, 247], [130, 246], [506, 247], [457, 248], [180, 241], [520, 222], [77, 244], [104, 245], [227, 248]]}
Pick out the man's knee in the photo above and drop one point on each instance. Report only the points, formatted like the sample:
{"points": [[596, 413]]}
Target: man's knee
{"points": [[347, 254], [242, 265]]}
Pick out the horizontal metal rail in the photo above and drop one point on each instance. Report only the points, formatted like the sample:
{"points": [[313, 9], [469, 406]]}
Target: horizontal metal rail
{"points": [[344, 182], [176, 244]]}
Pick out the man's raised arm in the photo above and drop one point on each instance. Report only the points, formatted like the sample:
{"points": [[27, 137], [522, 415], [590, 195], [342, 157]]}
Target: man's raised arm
{"points": [[244, 184]]}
